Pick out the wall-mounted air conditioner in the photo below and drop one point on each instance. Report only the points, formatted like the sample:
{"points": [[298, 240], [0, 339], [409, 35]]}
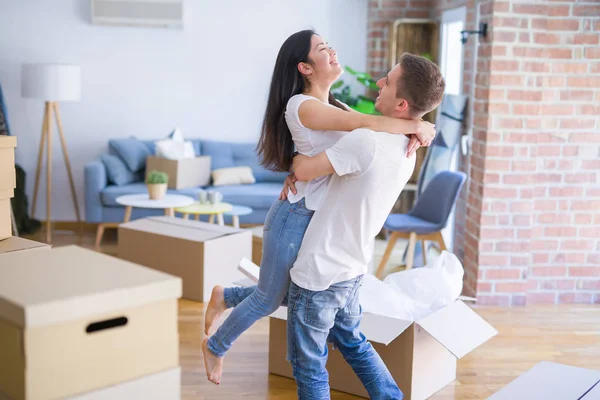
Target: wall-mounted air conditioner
{"points": [[150, 13]]}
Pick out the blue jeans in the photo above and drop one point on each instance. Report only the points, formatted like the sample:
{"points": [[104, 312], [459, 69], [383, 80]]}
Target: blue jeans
{"points": [[332, 315], [284, 230]]}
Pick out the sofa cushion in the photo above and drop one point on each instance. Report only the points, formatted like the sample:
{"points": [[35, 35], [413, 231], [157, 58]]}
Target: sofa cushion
{"points": [[117, 172], [258, 196], [228, 154], [131, 150]]}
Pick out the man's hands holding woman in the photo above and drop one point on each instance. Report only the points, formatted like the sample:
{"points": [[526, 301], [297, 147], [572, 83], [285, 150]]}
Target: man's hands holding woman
{"points": [[423, 137]]}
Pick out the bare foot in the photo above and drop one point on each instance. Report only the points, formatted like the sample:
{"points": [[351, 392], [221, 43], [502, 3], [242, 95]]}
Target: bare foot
{"points": [[216, 306], [212, 364]]}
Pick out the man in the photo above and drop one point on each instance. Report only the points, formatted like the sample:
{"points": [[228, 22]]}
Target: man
{"points": [[369, 170]]}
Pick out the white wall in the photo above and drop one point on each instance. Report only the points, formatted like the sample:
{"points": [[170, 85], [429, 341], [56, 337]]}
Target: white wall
{"points": [[210, 79]]}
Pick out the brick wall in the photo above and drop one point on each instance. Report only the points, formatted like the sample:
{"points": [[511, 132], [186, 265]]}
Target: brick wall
{"points": [[528, 224]]}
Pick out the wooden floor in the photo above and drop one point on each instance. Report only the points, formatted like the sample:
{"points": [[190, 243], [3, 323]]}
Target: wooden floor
{"points": [[568, 334]]}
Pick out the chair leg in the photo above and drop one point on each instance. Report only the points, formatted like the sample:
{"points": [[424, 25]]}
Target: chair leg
{"points": [[386, 256], [440, 240], [424, 251], [410, 256]]}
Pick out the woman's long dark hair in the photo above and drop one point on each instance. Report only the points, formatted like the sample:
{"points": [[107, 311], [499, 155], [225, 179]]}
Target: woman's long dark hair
{"points": [[276, 147]]}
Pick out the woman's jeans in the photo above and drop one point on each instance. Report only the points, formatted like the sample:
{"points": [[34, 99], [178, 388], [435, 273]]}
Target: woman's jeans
{"points": [[284, 230]]}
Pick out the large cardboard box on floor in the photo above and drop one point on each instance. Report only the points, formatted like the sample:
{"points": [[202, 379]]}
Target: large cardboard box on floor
{"points": [[202, 254], [421, 355], [184, 173], [553, 381], [5, 215], [15, 244], [8, 179], [73, 321]]}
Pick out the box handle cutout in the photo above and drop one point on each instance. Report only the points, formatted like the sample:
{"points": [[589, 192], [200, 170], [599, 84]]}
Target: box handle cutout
{"points": [[104, 325]]}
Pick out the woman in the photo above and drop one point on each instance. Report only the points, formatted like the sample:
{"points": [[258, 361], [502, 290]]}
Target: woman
{"points": [[301, 113]]}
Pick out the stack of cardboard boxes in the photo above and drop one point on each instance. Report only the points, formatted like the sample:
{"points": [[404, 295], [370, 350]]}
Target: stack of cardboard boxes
{"points": [[77, 324], [8, 183]]}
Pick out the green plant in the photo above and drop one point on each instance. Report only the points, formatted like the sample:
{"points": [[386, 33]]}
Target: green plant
{"points": [[156, 177], [359, 103]]}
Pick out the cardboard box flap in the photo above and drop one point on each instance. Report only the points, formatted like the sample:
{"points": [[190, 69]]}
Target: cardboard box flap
{"points": [[15, 243], [382, 329], [458, 328], [280, 313], [548, 380], [8, 141], [44, 287], [177, 227]]}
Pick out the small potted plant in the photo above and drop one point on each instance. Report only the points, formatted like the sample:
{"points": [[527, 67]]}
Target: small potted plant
{"points": [[156, 182]]}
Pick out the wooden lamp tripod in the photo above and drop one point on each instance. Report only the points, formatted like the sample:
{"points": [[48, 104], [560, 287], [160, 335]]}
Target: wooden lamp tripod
{"points": [[51, 82]]}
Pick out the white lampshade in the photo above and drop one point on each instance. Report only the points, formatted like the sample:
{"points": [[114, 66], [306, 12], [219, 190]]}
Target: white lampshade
{"points": [[51, 82]]}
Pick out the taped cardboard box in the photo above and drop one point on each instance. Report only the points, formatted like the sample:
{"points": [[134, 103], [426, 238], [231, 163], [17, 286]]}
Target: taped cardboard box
{"points": [[201, 254], [421, 355], [553, 381], [8, 178], [15, 244], [74, 320], [184, 173], [5, 215]]}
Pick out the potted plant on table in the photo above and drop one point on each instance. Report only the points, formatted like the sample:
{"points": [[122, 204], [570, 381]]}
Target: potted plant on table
{"points": [[156, 182]]}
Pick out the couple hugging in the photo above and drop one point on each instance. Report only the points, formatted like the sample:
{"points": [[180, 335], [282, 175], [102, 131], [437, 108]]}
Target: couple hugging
{"points": [[348, 170]]}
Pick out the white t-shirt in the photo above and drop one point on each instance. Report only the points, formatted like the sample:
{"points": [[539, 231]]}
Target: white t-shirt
{"points": [[308, 142], [371, 171]]}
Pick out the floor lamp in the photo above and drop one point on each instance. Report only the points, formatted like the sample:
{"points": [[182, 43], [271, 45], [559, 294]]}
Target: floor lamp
{"points": [[51, 83]]}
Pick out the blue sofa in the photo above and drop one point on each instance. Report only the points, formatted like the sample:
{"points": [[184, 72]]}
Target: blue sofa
{"points": [[100, 194]]}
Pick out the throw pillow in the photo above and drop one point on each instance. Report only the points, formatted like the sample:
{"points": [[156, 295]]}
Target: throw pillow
{"points": [[117, 171], [132, 151], [233, 176]]}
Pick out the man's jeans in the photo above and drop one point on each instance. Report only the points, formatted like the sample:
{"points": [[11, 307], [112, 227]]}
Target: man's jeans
{"points": [[333, 315], [284, 230]]}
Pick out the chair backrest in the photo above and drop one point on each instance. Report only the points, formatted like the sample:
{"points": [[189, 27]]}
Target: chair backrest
{"points": [[437, 200]]}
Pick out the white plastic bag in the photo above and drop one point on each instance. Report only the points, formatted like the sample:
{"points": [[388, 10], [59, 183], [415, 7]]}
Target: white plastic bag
{"points": [[416, 293], [175, 147]]}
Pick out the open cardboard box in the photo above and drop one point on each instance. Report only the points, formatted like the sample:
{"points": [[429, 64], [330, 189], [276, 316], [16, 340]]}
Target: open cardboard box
{"points": [[201, 254], [553, 381], [421, 355], [73, 321], [15, 244], [184, 173]]}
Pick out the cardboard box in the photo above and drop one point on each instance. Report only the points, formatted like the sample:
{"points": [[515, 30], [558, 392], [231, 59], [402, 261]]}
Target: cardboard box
{"points": [[201, 254], [15, 244], [74, 320], [164, 385], [185, 173], [5, 215], [257, 244], [421, 356], [8, 179], [552, 381]]}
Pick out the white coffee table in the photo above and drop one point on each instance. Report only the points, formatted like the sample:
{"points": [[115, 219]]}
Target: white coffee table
{"points": [[169, 202]]}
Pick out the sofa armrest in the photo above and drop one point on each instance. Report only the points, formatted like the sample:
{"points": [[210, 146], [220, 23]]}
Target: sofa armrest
{"points": [[95, 181]]}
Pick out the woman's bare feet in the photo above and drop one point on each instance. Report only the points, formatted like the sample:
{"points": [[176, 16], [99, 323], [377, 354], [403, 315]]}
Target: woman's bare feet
{"points": [[216, 306], [212, 363]]}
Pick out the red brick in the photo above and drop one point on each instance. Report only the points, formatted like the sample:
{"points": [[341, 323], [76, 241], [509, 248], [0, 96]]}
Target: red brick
{"points": [[566, 191], [524, 165], [569, 68], [586, 38], [533, 52], [521, 206], [586, 205], [592, 52], [560, 231], [595, 69], [508, 123], [591, 164], [558, 53], [511, 246], [589, 109], [584, 271], [593, 258], [540, 258], [584, 81], [553, 284], [592, 10], [510, 287], [575, 298], [524, 37], [553, 218], [541, 298], [578, 123], [504, 37], [580, 178], [546, 38], [547, 81], [507, 80], [589, 284], [586, 138], [589, 231], [526, 109], [584, 218], [534, 66], [592, 192], [545, 205], [493, 260], [520, 260], [549, 271], [503, 273], [493, 300], [526, 193], [582, 95], [524, 234], [558, 11], [557, 109], [510, 22], [538, 9], [484, 287], [562, 24], [417, 14], [518, 300], [575, 244], [524, 95], [504, 65], [518, 179]]}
